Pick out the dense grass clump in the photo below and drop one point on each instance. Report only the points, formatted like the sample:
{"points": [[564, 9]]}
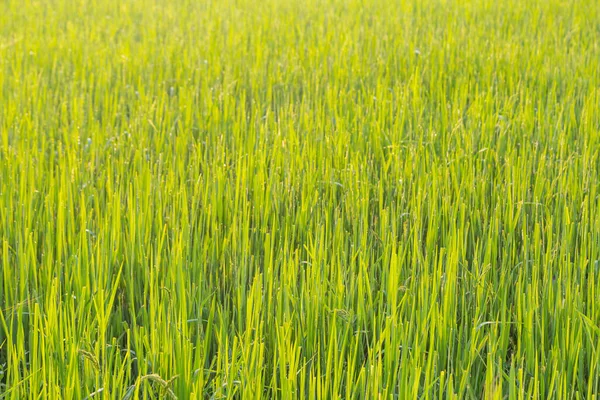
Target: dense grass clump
{"points": [[299, 199]]}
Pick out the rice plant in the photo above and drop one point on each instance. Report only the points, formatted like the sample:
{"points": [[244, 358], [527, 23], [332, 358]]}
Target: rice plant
{"points": [[326, 199]]}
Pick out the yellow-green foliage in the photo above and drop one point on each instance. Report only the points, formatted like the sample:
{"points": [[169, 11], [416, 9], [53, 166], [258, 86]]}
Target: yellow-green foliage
{"points": [[299, 199]]}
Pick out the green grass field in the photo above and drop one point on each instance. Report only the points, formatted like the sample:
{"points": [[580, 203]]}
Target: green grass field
{"points": [[326, 199]]}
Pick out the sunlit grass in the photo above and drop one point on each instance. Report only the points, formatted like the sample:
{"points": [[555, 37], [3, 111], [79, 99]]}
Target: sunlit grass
{"points": [[299, 199]]}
